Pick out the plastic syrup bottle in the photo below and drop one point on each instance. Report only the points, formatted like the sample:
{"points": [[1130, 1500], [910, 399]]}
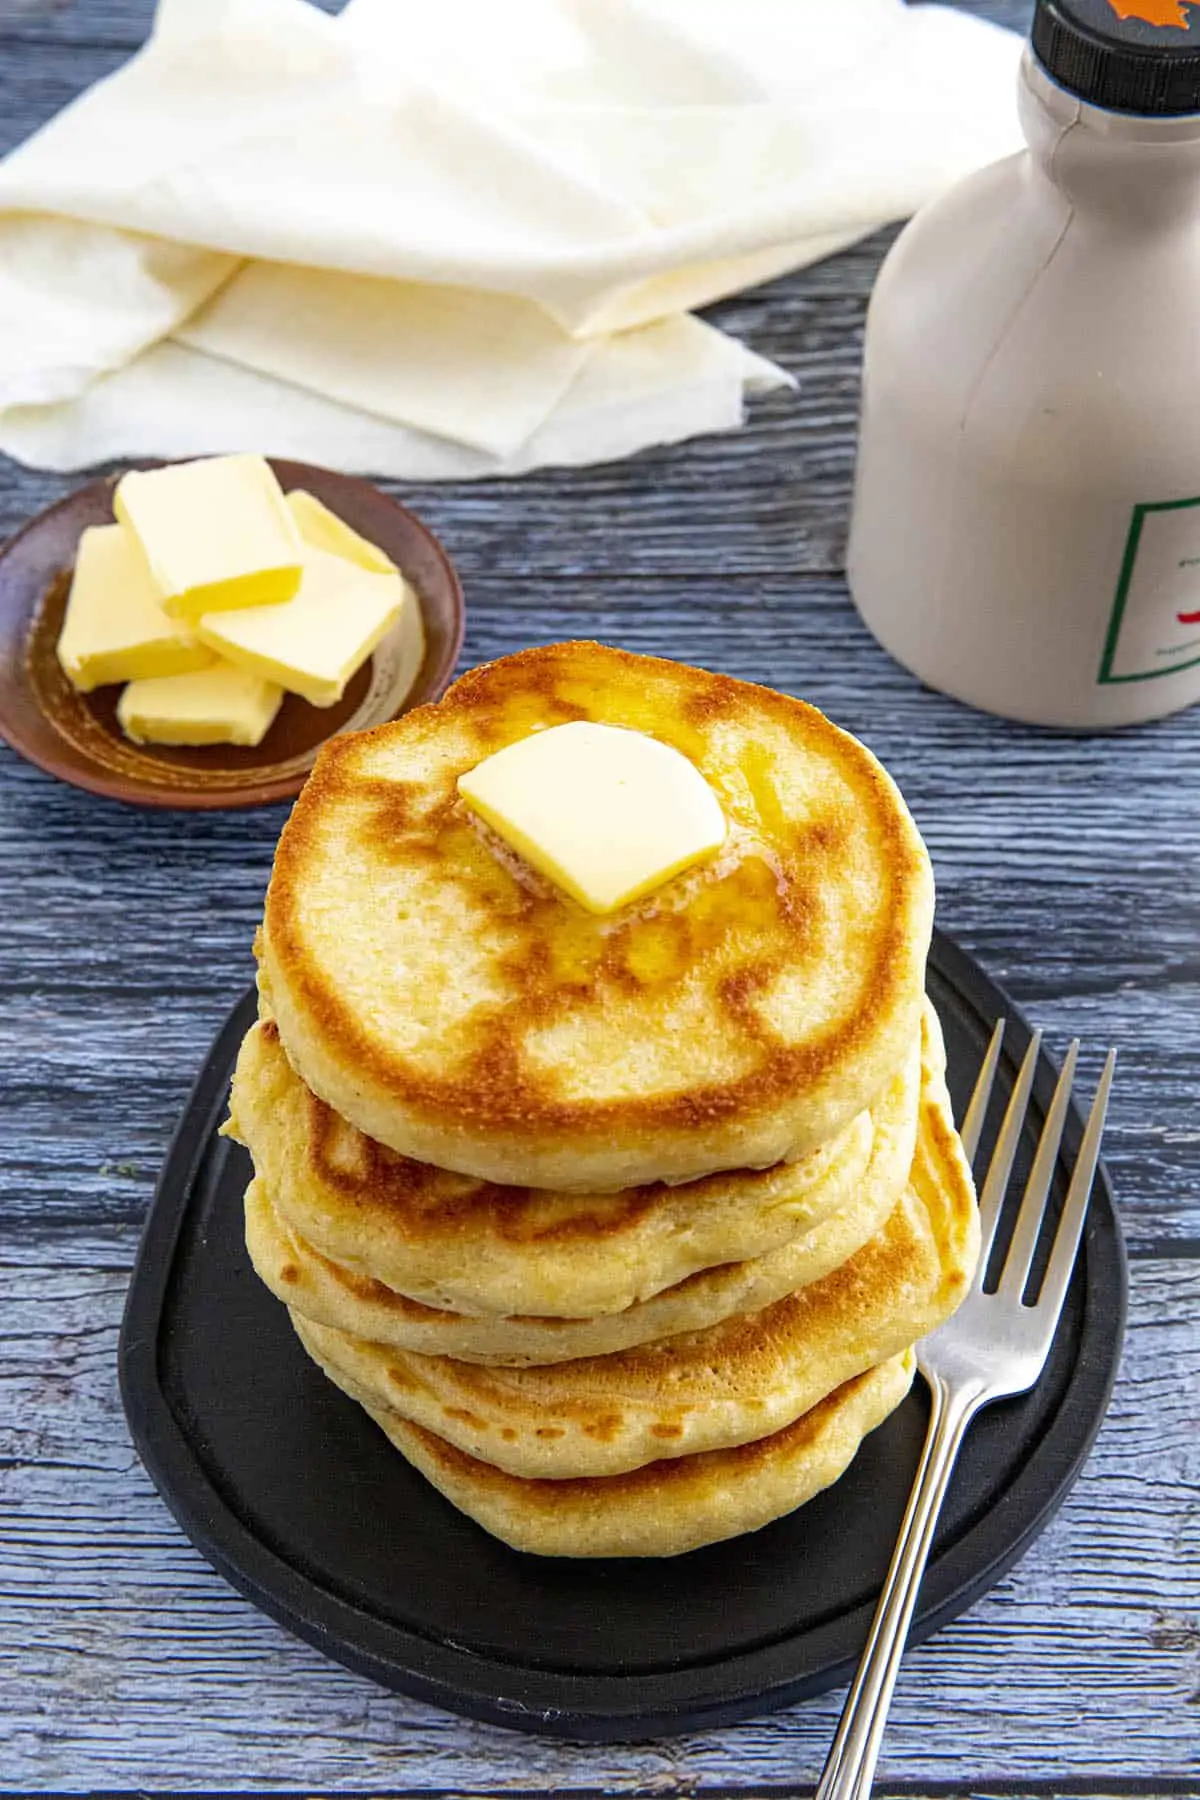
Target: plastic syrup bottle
{"points": [[1026, 530]]}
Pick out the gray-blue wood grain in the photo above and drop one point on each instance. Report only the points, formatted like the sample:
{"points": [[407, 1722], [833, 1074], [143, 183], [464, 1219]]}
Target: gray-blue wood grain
{"points": [[1070, 865]]}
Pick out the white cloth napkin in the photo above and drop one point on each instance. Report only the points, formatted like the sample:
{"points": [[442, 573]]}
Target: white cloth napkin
{"points": [[461, 238]]}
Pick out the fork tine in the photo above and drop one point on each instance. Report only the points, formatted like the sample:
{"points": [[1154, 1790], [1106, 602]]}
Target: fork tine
{"points": [[994, 1188], [972, 1125], [1070, 1226], [1028, 1228]]}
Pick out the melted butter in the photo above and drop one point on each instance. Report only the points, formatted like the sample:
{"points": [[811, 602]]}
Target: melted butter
{"points": [[763, 794], [742, 894]]}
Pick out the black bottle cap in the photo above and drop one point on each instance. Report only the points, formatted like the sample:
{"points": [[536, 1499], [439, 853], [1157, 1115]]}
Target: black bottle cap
{"points": [[1131, 56]]}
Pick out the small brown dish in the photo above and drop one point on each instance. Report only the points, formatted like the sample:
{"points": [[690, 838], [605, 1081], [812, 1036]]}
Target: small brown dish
{"points": [[76, 736]]}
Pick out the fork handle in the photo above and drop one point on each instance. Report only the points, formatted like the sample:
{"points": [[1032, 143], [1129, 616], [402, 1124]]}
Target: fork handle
{"points": [[850, 1766]]}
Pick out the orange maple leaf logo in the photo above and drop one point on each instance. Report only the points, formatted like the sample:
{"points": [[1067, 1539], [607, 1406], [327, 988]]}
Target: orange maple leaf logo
{"points": [[1154, 12]]}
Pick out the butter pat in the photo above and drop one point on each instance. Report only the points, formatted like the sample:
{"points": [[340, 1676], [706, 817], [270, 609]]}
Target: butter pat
{"points": [[115, 628], [607, 814], [218, 705], [323, 530], [214, 533], [314, 643]]}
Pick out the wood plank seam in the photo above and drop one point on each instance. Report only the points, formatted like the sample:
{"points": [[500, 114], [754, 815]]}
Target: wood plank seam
{"points": [[1098, 1786]]}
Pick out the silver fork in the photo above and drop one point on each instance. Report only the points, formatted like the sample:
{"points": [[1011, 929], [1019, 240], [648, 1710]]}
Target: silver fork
{"points": [[994, 1346]]}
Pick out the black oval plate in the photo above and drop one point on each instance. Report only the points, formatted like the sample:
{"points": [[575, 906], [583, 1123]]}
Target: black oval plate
{"points": [[294, 1495]]}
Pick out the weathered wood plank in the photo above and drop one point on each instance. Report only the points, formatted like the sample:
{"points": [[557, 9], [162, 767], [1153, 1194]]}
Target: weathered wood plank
{"points": [[37, 81], [1084, 1664]]}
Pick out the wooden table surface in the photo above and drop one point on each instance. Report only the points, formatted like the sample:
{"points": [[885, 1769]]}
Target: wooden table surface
{"points": [[1071, 866]]}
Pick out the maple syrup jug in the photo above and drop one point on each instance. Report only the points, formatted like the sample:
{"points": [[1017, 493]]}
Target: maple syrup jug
{"points": [[1026, 529]]}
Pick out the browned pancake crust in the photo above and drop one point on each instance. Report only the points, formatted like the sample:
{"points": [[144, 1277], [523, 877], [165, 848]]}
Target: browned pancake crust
{"points": [[468, 1246], [706, 1389], [436, 1203], [663, 1508], [652, 1479]]}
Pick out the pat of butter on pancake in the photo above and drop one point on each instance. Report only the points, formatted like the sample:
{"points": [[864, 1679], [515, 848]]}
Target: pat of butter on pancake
{"points": [[215, 533], [606, 813]]}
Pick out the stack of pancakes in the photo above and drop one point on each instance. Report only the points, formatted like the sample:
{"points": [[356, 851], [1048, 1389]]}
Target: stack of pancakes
{"points": [[621, 1228]]}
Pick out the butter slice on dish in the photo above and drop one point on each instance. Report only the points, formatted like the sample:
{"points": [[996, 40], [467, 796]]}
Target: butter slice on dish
{"points": [[606, 813], [323, 530], [314, 643], [115, 628], [215, 533], [217, 705]]}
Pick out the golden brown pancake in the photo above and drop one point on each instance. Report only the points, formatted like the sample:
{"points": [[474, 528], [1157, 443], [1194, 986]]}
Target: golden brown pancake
{"points": [[664, 1508], [461, 1009], [327, 1294], [743, 1379], [385, 1227]]}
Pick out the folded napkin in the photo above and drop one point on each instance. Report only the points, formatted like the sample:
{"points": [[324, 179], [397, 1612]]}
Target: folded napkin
{"points": [[459, 239]]}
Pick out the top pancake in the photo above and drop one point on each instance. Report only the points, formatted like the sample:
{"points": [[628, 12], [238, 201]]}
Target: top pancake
{"points": [[459, 1008]]}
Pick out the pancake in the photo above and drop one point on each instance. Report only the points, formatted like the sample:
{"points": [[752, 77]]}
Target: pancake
{"points": [[665, 1508], [740, 1380], [459, 1008], [462, 1246]]}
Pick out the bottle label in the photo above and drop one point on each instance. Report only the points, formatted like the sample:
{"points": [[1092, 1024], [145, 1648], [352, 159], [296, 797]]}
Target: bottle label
{"points": [[1155, 625]]}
